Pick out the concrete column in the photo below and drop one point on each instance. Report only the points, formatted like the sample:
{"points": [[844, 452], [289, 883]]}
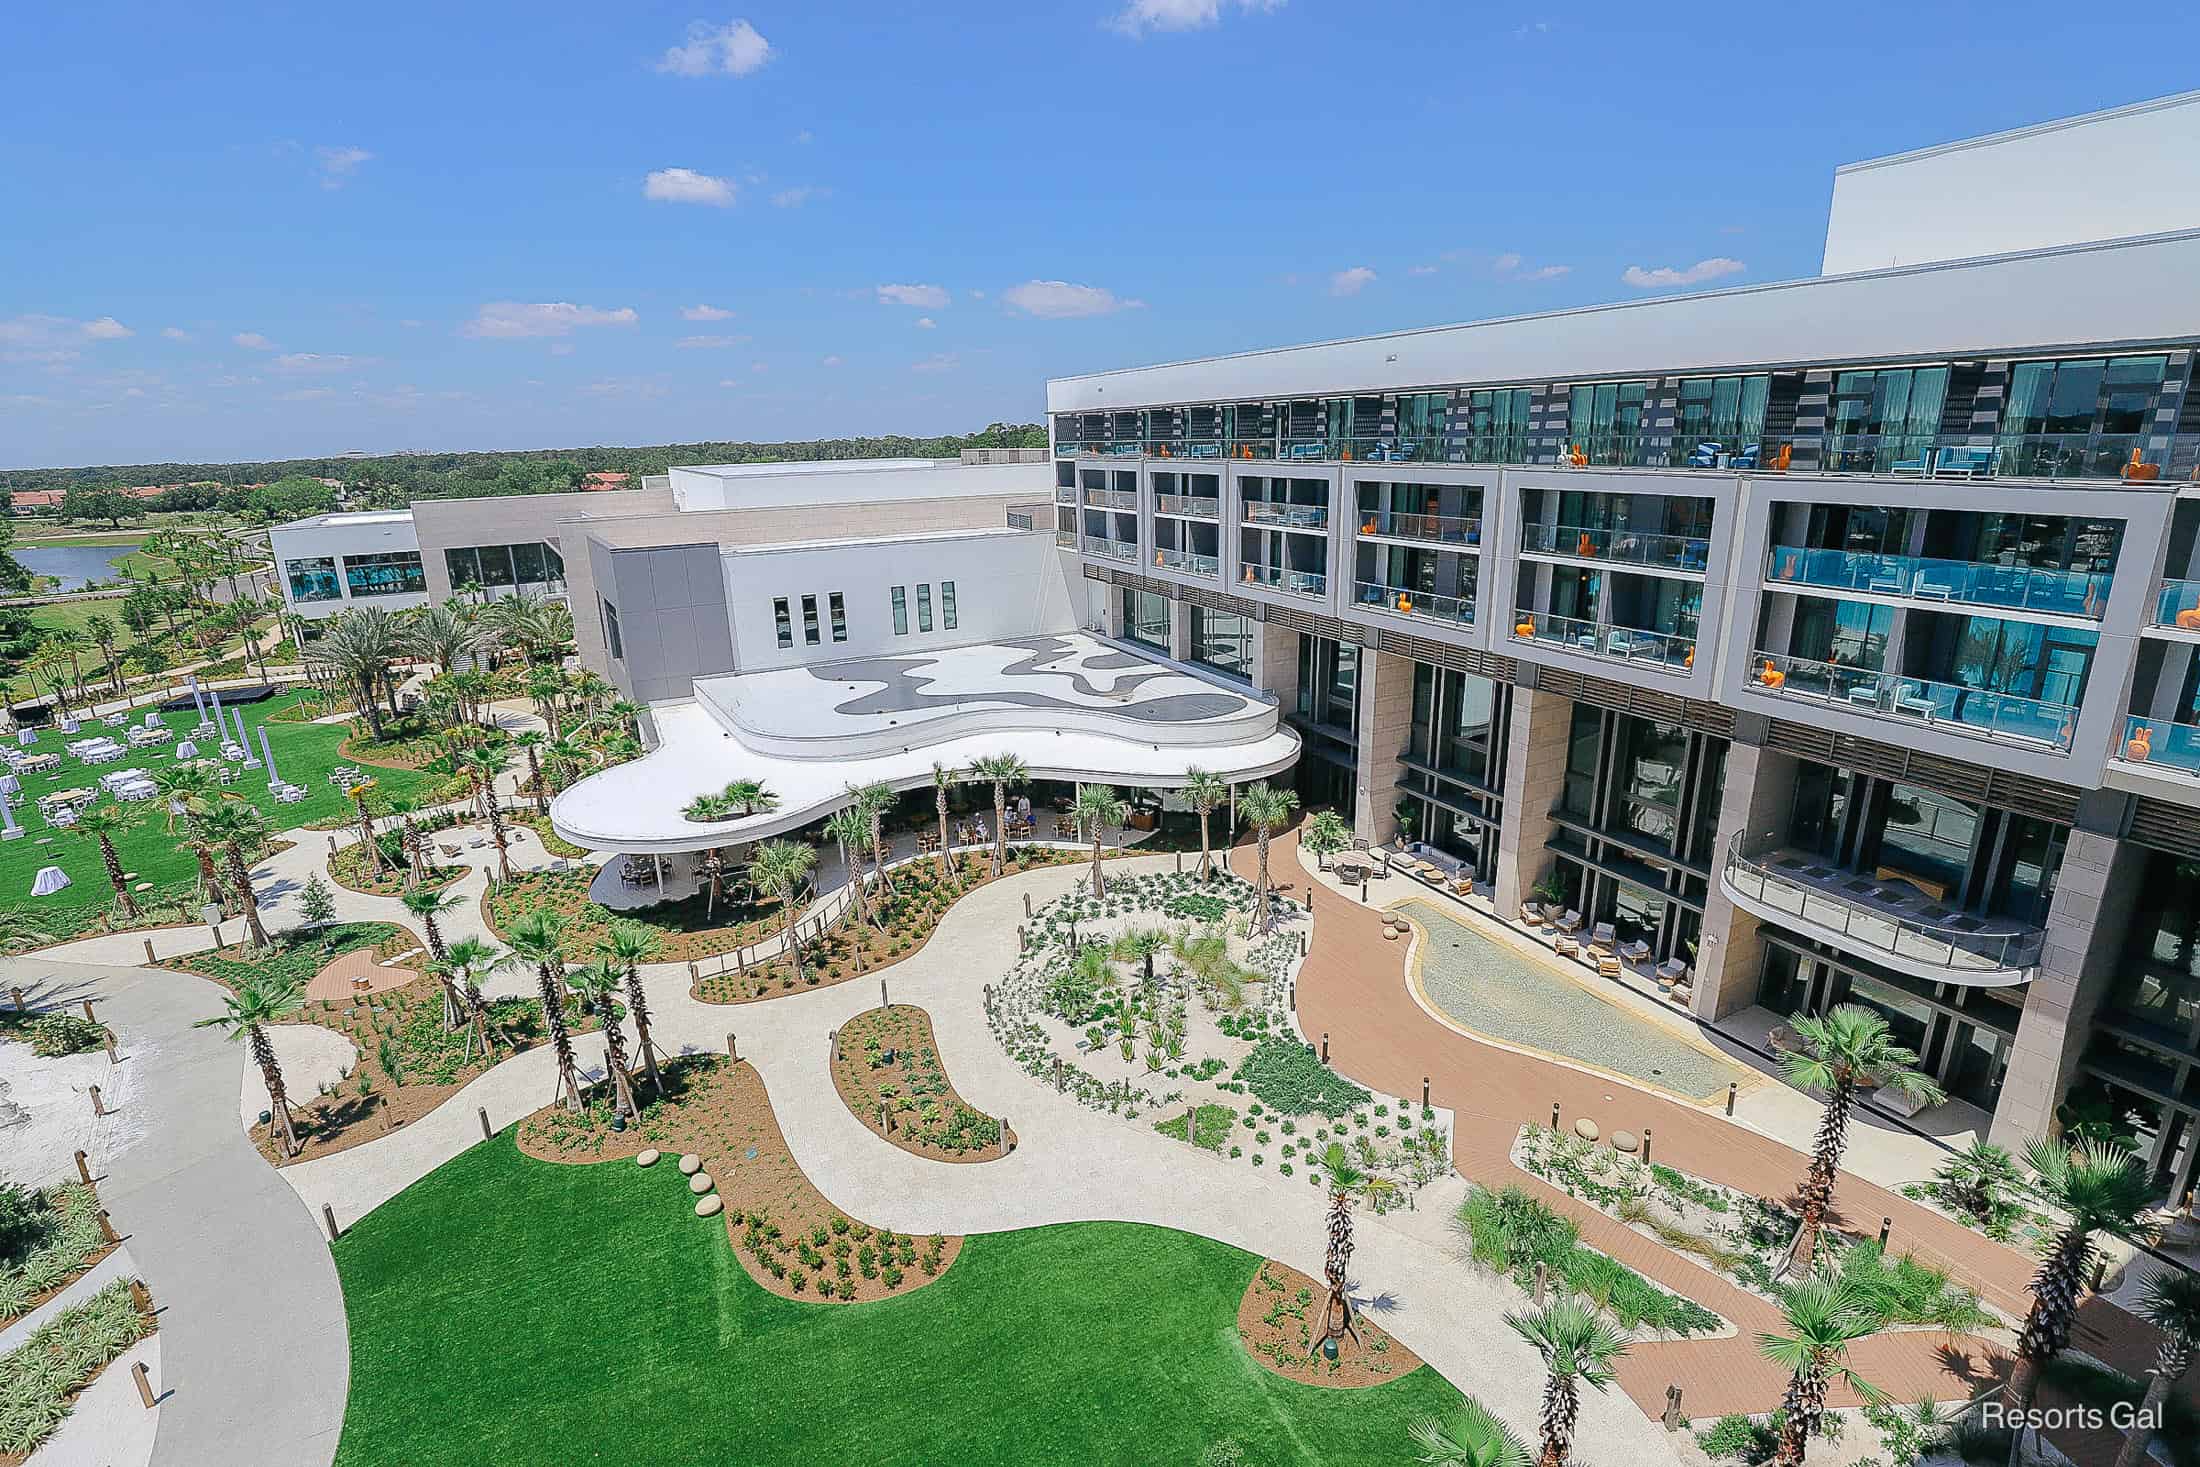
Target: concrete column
{"points": [[1386, 726], [1180, 630], [1114, 612], [1754, 801], [1276, 662], [2095, 893], [1535, 780]]}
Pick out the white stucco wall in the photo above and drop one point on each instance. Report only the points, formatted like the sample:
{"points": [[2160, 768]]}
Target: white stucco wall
{"points": [[374, 532]]}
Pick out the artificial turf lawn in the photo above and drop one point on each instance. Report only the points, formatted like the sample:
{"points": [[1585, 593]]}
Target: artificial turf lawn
{"points": [[510, 1311], [304, 754]]}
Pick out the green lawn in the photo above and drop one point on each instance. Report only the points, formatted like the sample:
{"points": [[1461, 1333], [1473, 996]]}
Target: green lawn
{"points": [[520, 1312], [304, 753]]}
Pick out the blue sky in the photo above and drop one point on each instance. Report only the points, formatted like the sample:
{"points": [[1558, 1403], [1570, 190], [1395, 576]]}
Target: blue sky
{"points": [[247, 231]]}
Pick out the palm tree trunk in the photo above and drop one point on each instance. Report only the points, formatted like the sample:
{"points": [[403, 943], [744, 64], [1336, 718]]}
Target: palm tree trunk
{"points": [[478, 1003], [947, 851], [534, 775], [207, 878], [496, 831], [1801, 1408], [638, 1006], [263, 1054], [1000, 827], [240, 875], [1098, 890], [2055, 1290], [1561, 1408], [794, 945], [561, 1038], [1206, 852], [2139, 1433], [879, 851], [115, 876], [1825, 1163], [1260, 887], [614, 1061]]}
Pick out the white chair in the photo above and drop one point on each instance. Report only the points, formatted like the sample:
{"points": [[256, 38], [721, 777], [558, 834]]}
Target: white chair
{"points": [[1635, 952], [1569, 923], [1601, 935]]}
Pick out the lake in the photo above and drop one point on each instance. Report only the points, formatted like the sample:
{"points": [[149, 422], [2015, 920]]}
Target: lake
{"points": [[74, 566]]}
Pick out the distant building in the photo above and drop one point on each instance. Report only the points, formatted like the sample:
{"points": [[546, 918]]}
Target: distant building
{"points": [[598, 482]]}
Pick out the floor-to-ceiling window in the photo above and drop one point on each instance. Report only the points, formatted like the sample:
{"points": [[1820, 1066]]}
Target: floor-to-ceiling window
{"points": [[1927, 839], [1728, 411], [1604, 421], [1649, 763], [1146, 618], [1329, 679], [1496, 426], [2078, 417], [1223, 641], [1877, 419]]}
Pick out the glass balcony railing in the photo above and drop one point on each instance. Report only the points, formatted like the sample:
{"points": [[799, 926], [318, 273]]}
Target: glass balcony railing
{"points": [[1184, 448], [1458, 531], [1065, 539], [2160, 741], [1407, 602], [1065, 494], [2131, 457], [1112, 549], [1603, 639], [1972, 583], [1188, 561], [1190, 506], [1122, 499], [1287, 516], [1621, 547], [1614, 450], [1298, 582], [2177, 605], [1979, 712]]}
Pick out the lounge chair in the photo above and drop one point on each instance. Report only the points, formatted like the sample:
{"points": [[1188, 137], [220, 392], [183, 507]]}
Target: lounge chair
{"points": [[1602, 936], [1532, 913], [1672, 970], [1636, 951], [1570, 922], [1565, 946], [1607, 966]]}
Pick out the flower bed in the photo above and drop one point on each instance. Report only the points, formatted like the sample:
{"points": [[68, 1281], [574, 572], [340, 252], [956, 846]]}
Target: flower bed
{"points": [[47, 1240], [691, 928], [41, 1378], [887, 1061], [1273, 1324]]}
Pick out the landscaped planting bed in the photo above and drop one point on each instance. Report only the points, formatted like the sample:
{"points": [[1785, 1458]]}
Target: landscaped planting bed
{"points": [[41, 1378], [47, 1240], [888, 1062], [352, 870], [1273, 1323], [52, 1033], [691, 927], [790, 1239], [1510, 1232]]}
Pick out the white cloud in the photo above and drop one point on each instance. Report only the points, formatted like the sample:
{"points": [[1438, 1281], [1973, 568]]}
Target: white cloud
{"points": [[1352, 281], [1420, 270], [735, 49], [175, 333], [1140, 16], [107, 328], [561, 348], [305, 394], [1506, 263], [311, 361], [1696, 274], [512, 320], [412, 323], [624, 387], [1547, 272], [1510, 266], [686, 186], [338, 165], [729, 382], [707, 343], [942, 362], [830, 362], [54, 339], [1055, 300], [926, 323], [977, 295], [796, 197], [705, 313], [926, 297], [252, 341]]}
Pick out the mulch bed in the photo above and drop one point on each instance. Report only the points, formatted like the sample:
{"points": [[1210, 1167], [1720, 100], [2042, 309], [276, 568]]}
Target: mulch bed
{"points": [[348, 867], [791, 1240], [566, 892], [1275, 1321], [887, 1057]]}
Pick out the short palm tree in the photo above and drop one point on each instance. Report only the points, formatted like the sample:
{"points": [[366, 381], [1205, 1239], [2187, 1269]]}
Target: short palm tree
{"points": [[532, 742], [236, 828], [1266, 808], [431, 907], [1346, 1183], [1325, 835], [778, 870], [247, 1010], [1139, 945], [101, 824], [1001, 771], [538, 942], [1205, 791], [1471, 1436], [1839, 1053], [483, 766], [187, 792], [850, 829], [598, 985], [631, 944], [470, 959], [1579, 1347], [943, 780], [874, 800], [362, 794], [2101, 1188], [2170, 1301], [1098, 807], [751, 798], [1824, 1317]]}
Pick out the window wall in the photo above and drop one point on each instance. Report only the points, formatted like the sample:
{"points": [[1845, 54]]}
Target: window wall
{"points": [[1728, 411], [1877, 419], [1604, 421], [2078, 417], [532, 564], [391, 573], [313, 578], [1223, 641], [1329, 680], [1146, 619], [1496, 424]]}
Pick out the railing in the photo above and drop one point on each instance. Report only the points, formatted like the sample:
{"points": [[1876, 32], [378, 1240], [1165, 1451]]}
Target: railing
{"points": [[1004, 455], [1614, 450], [1878, 927], [1974, 583], [1065, 494], [1463, 531], [1191, 506], [1302, 583], [1603, 639], [1124, 499], [1184, 448], [1287, 516], [1621, 547], [1958, 709], [1112, 549], [1065, 539], [2160, 741], [1404, 601], [1190, 561], [2177, 605], [2131, 457]]}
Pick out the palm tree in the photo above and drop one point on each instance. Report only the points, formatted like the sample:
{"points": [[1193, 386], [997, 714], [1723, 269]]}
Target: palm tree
{"points": [[538, 939], [1326, 834], [778, 870], [469, 959], [1847, 1049], [1204, 791], [748, 797], [444, 636], [2099, 1188], [874, 800], [1824, 1317], [631, 944], [943, 780], [628, 716], [598, 985], [849, 829], [188, 793], [431, 907], [1099, 806], [1266, 807], [1472, 1436], [484, 765], [1139, 945], [2170, 1301], [102, 823], [1578, 1347], [1002, 770], [568, 752], [543, 686], [531, 741], [361, 644], [103, 631], [235, 827], [360, 793], [247, 1010], [1347, 1184]]}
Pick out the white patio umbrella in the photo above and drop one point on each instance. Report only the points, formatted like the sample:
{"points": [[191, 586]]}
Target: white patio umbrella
{"points": [[9, 784], [187, 750], [26, 737], [49, 880], [152, 720]]}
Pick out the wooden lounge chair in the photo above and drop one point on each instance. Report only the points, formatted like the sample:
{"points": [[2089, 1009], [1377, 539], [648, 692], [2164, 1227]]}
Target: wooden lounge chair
{"points": [[1565, 946], [1672, 970], [1570, 922], [1532, 913], [1635, 952], [1603, 937], [1607, 965]]}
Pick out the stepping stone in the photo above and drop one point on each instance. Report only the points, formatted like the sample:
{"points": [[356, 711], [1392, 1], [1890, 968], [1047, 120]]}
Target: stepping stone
{"points": [[690, 1164], [700, 1183], [709, 1206], [1586, 1129], [1624, 1141], [647, 1158]]}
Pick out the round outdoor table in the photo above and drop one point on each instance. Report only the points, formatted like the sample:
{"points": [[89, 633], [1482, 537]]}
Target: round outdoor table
{"points": [[1352, 871]]}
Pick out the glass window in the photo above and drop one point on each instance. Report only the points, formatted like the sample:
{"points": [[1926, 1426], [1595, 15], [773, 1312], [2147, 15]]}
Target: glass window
{"points": [[1878, 419], [496, 565], [1497, 425], [1223, 641], [1647, 772], [389, 573], [782, 621], [1927, 840], [1604, 421], [464, 567], [1146, 618], [314, 579], [947, 605], [553, 565], [1584, 739], [1329, 675], [924, 607], [809, 621], [1729, 411], [527, 563], [901, 612], [611, 640], [839, 610]]}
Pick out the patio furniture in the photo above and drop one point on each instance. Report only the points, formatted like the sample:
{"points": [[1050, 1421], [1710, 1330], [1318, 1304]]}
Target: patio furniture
{"points": [[1672, 970], [1065, 828], [1566, 947], [1607, 966], [1682, 993], [1637, 951], [1601, 936], [1570, 922], [1532, 913]]}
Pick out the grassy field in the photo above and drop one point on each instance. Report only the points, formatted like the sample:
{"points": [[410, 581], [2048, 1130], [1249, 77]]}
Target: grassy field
{"points": [[304, 753], [521, 1312]]}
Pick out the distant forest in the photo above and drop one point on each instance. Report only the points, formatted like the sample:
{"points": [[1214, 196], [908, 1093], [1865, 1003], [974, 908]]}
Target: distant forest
{"points": [[395, 479]]}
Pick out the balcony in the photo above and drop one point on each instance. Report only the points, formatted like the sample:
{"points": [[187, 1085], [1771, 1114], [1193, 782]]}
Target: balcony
{"points": [[1297, 582], [1065, 539], [1188, 506], [1603, 639], [1884, 918], [1112, 549], [2159, 742], [2033, 723], [2136, 459], [2177, 606], [1065, 494], [1191, 562], [1278, 515], [1461, 532], [1184, 448], [1120, 499], [1970, 583], [1690, 553], [1404, 601]]}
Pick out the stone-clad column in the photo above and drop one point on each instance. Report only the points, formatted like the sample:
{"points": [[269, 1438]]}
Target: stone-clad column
{"points": [[1180, 630], [1535, 780], [1276, 662], [1755, 797], [1386, 724]]}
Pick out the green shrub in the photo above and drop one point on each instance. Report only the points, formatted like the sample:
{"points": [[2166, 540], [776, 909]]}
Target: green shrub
{"points": [[1293, 1081], [54, 1035], [61, 1356], [1511, 1232]]}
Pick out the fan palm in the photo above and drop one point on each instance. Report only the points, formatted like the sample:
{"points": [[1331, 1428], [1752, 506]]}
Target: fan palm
{"points": [[1471, 1436], [1347, 1183], [101, 824], [484, 766], [1204, 791], [598, 985], [1845, 1050], [538, 943], [1001, 771], [1266, 808], [2170, 1301], [629, 945], [431, 907], [361, 644], [531, 742], [874, 800], [849, 828], [1824, 1317], [470, 959], [943, 780], [1578, 1347], [2101, 1189], [247, 1010], [748, 797], [188, 793], [444, 636], [236, 828], [1326, 834], [1098, 807], [1139, 945], [778, 870]]}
